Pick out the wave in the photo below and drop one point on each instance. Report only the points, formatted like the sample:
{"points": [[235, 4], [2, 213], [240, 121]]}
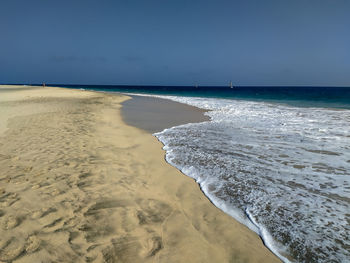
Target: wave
{"points": [[280, 170]]}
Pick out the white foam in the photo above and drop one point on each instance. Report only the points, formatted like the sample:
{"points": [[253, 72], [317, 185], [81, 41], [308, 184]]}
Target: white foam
{"points": [[289, 165]]}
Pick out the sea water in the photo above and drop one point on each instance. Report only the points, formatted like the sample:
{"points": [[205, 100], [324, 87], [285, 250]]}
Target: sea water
{"points": [[283, 171], [280, 165]]}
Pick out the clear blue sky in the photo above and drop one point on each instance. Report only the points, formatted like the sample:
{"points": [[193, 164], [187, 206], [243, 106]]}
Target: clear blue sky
{"points": [[179, 42]]}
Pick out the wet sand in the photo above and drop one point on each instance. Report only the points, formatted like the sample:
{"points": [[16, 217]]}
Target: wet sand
{"points": [[154, 114], [79, 185]]}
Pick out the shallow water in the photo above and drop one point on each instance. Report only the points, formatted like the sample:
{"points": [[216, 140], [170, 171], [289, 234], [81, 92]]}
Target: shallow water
{"points": [[283, 171]]}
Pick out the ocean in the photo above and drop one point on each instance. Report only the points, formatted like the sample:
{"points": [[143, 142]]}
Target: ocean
{"points": [[277, 159]]}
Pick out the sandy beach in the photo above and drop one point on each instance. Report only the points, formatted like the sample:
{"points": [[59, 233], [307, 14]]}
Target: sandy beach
{"points": [[77, 184]]}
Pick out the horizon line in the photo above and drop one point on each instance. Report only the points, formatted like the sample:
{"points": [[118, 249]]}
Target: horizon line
{"points": [[150, 85]]}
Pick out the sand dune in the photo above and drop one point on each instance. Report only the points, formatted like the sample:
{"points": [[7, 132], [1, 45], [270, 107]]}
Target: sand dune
{"points": [[79, 185]]}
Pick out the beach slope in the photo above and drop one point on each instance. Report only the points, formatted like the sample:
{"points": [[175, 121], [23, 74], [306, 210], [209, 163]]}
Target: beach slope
{"points": [[79, 185]]}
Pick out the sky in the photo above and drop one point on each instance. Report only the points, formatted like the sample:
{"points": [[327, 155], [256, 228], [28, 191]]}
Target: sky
{"points": [[178, 42]]}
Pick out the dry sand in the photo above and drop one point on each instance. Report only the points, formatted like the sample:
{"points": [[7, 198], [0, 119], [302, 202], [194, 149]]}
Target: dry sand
{"points": [[79, 185]]}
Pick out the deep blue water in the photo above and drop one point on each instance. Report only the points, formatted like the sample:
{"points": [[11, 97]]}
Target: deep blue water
{"points": [[333, 97]]}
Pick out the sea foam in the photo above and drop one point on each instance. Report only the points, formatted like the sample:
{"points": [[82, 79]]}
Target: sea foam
{"points": [[281, 170]]}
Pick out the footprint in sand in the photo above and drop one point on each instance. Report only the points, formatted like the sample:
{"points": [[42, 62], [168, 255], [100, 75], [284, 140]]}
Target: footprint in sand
{"points": [[43, 212], [8, 199], [151, 246], [54, 223], [132, 249], [107, 204], [153, 211], [10, 222], [10, 249], [32, 244], [124, 249]]}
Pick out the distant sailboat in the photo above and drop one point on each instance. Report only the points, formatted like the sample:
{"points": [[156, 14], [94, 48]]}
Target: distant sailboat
{"points": [[231, 86]]}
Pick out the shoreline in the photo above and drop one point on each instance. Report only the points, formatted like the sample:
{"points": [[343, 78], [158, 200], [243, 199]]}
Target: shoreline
{"points": [[80, 185], [143, 111]]}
